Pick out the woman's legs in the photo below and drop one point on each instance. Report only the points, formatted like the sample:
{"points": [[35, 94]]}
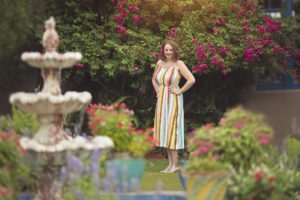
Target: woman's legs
{"points": [[170, 160], [174, 161]]}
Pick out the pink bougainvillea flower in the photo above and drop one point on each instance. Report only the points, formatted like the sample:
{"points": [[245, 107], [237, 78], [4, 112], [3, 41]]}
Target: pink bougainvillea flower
{"points": [[277, 50], [223, 50], [208, 126], [116, 106], [121, 29], [261, 29], [216, 157], [194, 68], [212, 50], [220, 21], [92, 125], [135, 69], [195, 41], [263, 141], [258, 175], [203, 67], [121, 124], [209, 44], [79, 66], [215, 58], [203, 149], [5, 192], [136, 18], [264, 135], [133, 8], [288, 48], [217, 31], [125, 14], [120, 8], [123, 106], [239, 125], [271, 179], [249, 54], [99, 120]]}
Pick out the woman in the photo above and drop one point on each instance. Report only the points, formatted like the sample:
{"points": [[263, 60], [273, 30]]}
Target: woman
{"points": [[168, 122]]}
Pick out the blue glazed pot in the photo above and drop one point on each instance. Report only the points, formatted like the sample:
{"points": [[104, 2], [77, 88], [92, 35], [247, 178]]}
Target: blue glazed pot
{"points": [[126, 171], [24, 197]]}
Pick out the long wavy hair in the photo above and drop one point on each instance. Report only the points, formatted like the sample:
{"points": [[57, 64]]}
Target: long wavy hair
{"points": [[175, 48]]}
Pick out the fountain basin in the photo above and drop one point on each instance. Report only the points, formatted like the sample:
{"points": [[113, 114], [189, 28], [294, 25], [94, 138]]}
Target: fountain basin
{"points": [[99, 142], [43, 103], [51, 59]]}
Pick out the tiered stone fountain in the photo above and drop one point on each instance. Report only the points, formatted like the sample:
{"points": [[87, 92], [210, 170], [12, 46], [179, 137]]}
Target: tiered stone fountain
{"points": [[50, 145]]}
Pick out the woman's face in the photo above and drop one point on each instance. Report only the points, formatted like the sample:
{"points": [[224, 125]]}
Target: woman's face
{"points": [[168, 50]]}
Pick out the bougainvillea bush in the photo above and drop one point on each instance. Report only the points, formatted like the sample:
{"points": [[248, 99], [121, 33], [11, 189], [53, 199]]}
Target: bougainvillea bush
{"points": [[224, 45], [236, 34]]}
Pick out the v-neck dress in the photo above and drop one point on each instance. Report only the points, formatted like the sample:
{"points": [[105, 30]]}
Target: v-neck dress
{"points": [[169, 115]]}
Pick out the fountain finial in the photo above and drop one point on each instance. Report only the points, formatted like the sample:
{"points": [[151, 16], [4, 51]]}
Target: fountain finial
{"points": [[50, 36]]}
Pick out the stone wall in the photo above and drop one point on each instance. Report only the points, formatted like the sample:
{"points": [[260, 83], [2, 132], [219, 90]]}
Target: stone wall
{"points": [[281, 108]]}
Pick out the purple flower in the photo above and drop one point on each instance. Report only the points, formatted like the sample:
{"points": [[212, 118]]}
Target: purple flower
{"points": [[63, 174], [75, 164], [79, 195]]}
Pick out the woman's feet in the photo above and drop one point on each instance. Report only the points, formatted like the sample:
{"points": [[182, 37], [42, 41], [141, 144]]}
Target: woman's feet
{"points": [[166, 170], [173, 169], [170, 169]]}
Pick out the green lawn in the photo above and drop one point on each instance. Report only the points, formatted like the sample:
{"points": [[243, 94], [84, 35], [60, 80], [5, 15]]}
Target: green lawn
{"points": [[153, 175]]}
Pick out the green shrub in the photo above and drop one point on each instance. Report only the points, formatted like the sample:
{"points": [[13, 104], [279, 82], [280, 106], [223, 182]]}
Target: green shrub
{"points": [[238, 140], [21, 122], [14, 174]]}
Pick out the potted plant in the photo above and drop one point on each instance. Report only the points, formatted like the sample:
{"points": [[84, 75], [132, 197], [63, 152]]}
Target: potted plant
{"points": [[205, 178], [131, 144], [238, 140]]}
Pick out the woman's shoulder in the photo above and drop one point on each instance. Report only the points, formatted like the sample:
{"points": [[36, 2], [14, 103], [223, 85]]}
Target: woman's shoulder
{"points": [[180, 63], [159, 62]]}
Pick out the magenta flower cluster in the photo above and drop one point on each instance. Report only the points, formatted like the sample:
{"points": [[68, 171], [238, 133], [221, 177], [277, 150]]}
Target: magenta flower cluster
{"points": [[258, 36], [172, 33], [209, 54], [124, 11]]}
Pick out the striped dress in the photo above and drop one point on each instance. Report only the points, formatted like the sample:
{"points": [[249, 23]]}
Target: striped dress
{"points": [[168, 122]]}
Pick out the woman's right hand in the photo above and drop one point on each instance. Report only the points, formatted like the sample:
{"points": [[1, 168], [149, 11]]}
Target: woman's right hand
{"points": [[157, 93]]}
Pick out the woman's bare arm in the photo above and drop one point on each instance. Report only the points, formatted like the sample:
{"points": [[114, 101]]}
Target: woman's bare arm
{"points": [[187, 74], [154, 83]]}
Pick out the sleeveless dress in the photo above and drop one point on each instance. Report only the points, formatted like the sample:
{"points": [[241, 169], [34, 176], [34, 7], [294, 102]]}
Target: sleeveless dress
{"points": [[168, 122]]}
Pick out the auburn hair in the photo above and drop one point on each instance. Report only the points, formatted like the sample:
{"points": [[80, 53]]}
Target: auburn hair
{"points": [[175, 48]]}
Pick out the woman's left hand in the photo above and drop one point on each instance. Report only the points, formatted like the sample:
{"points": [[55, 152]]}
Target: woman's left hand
{"points": [[175, 90]]}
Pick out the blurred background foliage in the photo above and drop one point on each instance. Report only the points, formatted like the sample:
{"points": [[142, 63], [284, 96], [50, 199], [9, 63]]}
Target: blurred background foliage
{"points": [[117, 64]]}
